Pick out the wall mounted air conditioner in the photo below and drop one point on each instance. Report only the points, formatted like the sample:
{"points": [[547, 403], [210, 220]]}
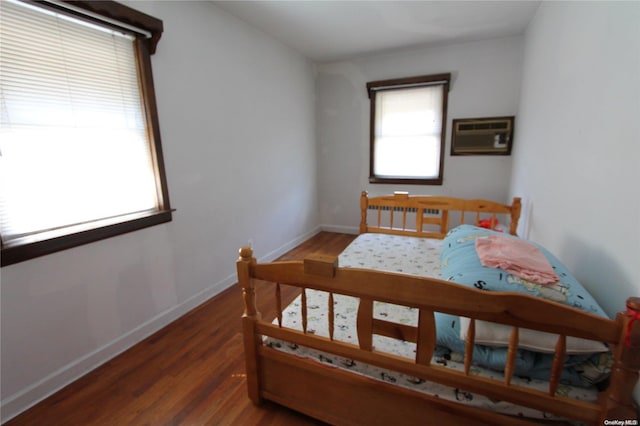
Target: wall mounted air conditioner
{"points": [[482, 136]]}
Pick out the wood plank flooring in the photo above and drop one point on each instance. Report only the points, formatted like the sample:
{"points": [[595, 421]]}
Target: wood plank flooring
{"points": [[189, 373]]}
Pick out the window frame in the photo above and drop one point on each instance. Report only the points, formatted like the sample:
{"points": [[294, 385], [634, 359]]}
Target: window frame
{"points": [[373, 87], [147, 31]]}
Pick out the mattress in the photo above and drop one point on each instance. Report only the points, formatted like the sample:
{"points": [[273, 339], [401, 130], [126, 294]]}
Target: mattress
{"points": [[409, 255]]}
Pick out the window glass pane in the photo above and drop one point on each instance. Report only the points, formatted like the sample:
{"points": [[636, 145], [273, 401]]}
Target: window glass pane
{"points": [[56, 177], [73, 141], [416, 111], [408, 157], [408, 126]]}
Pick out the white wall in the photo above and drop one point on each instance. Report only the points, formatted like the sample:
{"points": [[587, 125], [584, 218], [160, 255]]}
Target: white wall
{"points": [[578, 162], [237, 124], [485, 82], [578, 156]]}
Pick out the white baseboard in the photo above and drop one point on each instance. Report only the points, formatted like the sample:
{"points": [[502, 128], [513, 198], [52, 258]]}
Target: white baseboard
{"points": [[341, 229], [274, 254], [31, 395]]}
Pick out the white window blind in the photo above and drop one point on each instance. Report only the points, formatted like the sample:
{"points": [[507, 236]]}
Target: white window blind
{"points": [[73, 140], [408, 132]]}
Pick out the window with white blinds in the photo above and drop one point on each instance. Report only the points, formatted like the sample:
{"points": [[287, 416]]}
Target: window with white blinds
{"points": [[76, 150], [408, 118]]}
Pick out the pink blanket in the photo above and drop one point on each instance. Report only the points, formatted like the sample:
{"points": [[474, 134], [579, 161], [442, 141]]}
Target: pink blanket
{"points": [[517, 257]]}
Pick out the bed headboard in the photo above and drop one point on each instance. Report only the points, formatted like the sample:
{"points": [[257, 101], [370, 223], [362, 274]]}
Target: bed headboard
{"points": [[404, 214]]}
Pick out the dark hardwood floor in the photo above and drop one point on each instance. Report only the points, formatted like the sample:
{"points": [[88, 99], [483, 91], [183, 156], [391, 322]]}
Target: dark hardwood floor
{"points": [[189, 373]]}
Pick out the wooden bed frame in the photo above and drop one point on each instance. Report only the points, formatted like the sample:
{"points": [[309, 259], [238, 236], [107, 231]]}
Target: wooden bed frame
{"points": [[342, 397]]}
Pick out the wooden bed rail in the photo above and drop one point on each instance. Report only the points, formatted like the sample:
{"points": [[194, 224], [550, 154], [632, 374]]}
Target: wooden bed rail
{"points": [[619, 403], [321, 272], [430, 211]]}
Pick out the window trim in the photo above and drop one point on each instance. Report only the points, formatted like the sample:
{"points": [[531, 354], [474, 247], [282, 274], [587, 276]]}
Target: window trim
{"points": [[112, 14], [443, 79]]}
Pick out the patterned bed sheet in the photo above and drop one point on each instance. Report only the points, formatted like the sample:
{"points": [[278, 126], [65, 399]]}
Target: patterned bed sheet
{"points": [[410, 255]]}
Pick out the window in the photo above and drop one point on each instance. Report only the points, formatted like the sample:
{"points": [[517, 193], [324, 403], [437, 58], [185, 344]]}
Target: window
{"points": [[80, 153], [408, 120]]}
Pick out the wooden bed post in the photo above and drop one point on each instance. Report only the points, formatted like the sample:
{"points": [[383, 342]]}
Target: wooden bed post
{"points": [[516, 208], [364, 204], [619, 404], [249, 318]]}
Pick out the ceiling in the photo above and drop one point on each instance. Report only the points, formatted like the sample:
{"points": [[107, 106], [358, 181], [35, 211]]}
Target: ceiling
{"points": [[327, 31]]}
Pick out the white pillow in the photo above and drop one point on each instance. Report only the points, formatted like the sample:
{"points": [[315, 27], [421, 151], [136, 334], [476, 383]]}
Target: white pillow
{"points": [[493, 334]]}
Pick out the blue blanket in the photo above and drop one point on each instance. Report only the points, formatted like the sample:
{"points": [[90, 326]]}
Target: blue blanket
{"points": [[461, 264]]}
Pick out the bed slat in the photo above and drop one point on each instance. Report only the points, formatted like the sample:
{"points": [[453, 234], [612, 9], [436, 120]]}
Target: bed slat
{"points": [[511, 355], [279, 304], [469, 344], [558, 364], [303, 311], [331, 316], [404, 218], [444, 227], [426, 337], [365, 324], [419, 220]]}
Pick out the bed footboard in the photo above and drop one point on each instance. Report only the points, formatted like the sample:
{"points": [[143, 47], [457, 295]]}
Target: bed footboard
{"points": [[292, 381]]}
